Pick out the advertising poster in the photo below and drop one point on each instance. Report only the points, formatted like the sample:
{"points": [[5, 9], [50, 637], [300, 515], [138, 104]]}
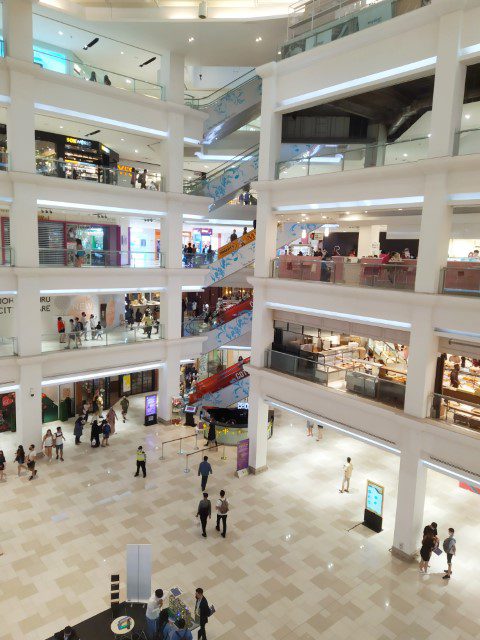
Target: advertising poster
{"points": [[470, 487], [242, 454], [66, 408], [151, 405], [127, 383], [7, 412], [49, 403], [374, 499]]}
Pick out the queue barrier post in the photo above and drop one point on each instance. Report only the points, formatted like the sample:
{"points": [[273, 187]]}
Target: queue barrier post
{"points": [[180, 452], [186, 470], [196, 447], [162, 456], [223, 457]]}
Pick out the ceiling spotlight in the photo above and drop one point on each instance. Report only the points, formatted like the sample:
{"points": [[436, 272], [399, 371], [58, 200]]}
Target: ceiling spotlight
{"points": [[128, 81], [122, 53], [61, 126], [279, 53], [259, 39], [60, 33], [191, 39], [122, 139], [136, 150], [405, 155], [144, 64], [467, 116], [91, 43]]}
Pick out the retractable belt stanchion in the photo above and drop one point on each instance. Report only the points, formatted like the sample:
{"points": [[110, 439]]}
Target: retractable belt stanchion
{"points": [[180, 451], [187, 468]]}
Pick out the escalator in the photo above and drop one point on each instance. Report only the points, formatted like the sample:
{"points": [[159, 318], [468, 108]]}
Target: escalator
{"points": [[230, 107], [222, 389]]}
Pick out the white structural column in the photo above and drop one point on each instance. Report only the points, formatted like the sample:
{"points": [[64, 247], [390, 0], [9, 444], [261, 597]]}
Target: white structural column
{"points": [[271, 129], [171, 239], [422, 361], [24, 224], [27, 315], [29, 406], [168, 382], [412, 480], [171, 321], [265, 236], [171, 152], [171, 308], [171, 75], [435, 232], [368, 239], [17, 29], [449, 87]]}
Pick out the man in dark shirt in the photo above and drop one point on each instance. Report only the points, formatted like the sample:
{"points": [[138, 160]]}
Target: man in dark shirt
{"points": [[204, 469], [202, 613], [204, 512]]}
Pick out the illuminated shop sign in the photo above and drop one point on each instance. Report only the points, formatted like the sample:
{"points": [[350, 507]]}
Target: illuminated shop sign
{"points": [[81, 143]]}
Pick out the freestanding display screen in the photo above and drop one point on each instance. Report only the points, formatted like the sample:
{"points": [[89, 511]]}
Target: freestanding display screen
{"points": [[151, 409], [373, 514]]}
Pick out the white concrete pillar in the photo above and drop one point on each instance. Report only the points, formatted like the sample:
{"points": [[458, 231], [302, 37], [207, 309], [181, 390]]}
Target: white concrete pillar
{"points": [[27, 316], [24, 225], [168, 383], [265, 236], [368, 238], [262, 328], [449, 86], [435, 233], [271, 129], [172, 76], [257, 427], [171, 152], [28, 400], [21, 123], [171, 310], [18, 29], [412, 480], [422, 362], [171, 240]]}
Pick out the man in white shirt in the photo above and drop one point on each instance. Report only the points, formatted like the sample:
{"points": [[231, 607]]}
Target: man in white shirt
{"points": [[347, 474], [31, 458], [152, 614]]}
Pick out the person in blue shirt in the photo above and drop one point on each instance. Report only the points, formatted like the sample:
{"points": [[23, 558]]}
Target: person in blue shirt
{"points": [[204, 469], [180, 633]]}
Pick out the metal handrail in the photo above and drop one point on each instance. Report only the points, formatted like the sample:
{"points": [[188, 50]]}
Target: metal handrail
{"points": [[223, 90], [199, 182], [180, 452]]}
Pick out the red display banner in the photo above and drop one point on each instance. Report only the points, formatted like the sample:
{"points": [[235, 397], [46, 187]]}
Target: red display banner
{"points": [[470, 487], [219, 380], [235, 310]]}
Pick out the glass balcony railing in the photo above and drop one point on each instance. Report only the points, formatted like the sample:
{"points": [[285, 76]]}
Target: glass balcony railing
{"points": [[461, 279], [211, 99], [354, 378], [467, 142], [356, 274], [322, 21], [198, 261], [6, 257], [100, 258], [60, 64], [92, 338], [455, 411], [335, 158], [8, 347], [58, 168]]}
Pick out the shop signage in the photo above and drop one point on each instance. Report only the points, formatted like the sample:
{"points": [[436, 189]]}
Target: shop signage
{"points": [[203, 231], [81, 143], [150, 409], [127, 383], [242, 454], [236, 244]]}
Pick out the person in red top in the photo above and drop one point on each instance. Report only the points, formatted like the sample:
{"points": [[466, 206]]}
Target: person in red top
{"points": [[61, 329]]}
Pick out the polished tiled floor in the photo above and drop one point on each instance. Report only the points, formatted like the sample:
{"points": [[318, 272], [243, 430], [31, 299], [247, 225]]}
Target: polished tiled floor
{"points": [[289, 568]]}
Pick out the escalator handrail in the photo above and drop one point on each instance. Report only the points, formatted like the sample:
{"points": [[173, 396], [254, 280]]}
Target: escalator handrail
{"points": [[222, 90], [192, 185]]}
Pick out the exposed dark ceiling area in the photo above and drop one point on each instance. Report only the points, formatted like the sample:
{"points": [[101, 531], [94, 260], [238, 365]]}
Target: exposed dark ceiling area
{"points": [[397, 107]]}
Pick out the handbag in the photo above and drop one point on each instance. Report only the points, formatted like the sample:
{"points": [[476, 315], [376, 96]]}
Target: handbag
{"points": [[437, 551]]}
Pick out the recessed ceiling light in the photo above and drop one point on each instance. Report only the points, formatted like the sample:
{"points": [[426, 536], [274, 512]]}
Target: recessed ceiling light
{"points": [[122, 139], [136, 150], [259, 39], [279, 53], [60, 33], [324, 217], [61, 126], [405, 155], [347, 211], [128, 81], [191, 39], [467, 116], [122, 52], [429, 135], [400, 209]]}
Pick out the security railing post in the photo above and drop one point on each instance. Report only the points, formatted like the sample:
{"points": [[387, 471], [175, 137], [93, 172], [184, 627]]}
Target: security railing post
{"points": [[224, 457], [180, 449], [162, 457], [196, 441], [186, 470]]}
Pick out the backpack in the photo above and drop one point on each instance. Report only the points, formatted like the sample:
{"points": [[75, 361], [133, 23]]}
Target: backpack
{"points": [[448, 544], [223, 509]]}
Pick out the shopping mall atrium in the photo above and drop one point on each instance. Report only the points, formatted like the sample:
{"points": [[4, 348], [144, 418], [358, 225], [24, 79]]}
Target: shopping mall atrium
{"points": [[255, 227]]}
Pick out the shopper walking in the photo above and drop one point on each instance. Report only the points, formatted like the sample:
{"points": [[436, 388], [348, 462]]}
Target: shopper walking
{"points": [[309, 428], [71, 335], [78, 429], [111, 419], [142, 179], [84, 322], [148, 325], [233, 236], [47, 444], [202, 613], [61, 329], [204, 470], [204, 512], [20, 459], [59, 440], [428, 545], [450, 548], [141, 462], [212, 434], [133, 178], [124, 403], [106, 429], [31, 459], [222, 508], [3, 463], [152, 614], [347, 474]]}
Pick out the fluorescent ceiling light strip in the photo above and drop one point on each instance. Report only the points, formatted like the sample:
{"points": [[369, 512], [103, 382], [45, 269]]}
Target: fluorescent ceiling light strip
{"points": [[363, 80], [378, 322], [5, 99], [234, 348], [473, 48], [192, 288], [8, 293], [88, 116], [456, 332], [191, 140], [193, 216], [96, 290], [101, 374], [97, 207], [461, 197], [378, 202], [332, 425], [187, 361], [9, 387], [449, 472], [224, 221]]}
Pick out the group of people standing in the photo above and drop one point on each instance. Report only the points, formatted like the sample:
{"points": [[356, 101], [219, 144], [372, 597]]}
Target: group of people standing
{"points": [[150, 320], [27, 460], [158, 626], [78, 329], [431, 544]]}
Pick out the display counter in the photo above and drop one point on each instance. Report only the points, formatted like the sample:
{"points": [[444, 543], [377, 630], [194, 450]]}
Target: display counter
{"points": [[372, 273], [462, 277], [361, 383]]}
